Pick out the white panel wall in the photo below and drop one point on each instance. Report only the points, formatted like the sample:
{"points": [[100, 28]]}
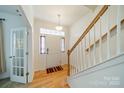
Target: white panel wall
{"points": [[107, 75]]}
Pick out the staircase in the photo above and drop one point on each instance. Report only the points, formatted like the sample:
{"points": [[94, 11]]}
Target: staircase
{"points": [[97, 58]]}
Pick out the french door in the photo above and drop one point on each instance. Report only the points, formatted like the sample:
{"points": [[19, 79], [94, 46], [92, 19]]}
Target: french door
{"points": [[18, 58]]}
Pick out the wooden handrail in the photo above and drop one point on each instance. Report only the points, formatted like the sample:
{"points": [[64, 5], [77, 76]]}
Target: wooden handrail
{"points": [[68, 63], [122, 21], [102, 11]]}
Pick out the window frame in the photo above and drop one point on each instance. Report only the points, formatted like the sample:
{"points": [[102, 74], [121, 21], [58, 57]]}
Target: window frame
{"points": [[52, 32], [41, 51], [63, 45]]}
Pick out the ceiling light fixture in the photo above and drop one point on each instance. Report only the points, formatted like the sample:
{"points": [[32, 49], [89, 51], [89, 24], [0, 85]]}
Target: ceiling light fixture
{"points": [[59, 27]]}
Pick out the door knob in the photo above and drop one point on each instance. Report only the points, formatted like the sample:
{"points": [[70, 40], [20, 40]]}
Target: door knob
{"points": [[10, 57], [47, 50]]}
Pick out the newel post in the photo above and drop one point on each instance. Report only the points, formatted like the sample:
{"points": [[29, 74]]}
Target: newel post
{"points": [[68, 62]]}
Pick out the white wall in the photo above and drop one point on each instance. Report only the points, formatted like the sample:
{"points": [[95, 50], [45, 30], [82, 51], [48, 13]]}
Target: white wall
{"points": [[79, 26], [26, 20], [39, 60], [28, 12], [8, 25]]}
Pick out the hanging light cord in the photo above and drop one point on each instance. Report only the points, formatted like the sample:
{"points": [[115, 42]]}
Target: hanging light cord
{"points": [[59, 19]]}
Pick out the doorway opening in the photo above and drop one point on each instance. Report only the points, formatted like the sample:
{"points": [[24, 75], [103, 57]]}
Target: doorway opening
{"points": [[52, 45], [15, 36]]}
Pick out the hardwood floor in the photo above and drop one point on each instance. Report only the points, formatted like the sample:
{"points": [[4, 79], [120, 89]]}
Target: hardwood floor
{"points": [[51, 80]]}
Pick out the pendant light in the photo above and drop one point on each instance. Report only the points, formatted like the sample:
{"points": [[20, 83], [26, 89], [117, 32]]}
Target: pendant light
{"points": [[59, 27]]}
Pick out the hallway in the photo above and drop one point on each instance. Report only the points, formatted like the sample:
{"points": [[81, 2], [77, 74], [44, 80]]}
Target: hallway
{"points": [[52, 80], [90, 48], [41, 80]]}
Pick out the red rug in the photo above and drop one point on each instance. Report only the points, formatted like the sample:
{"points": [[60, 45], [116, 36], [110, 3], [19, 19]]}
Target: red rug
{"points": [[54, 69]]}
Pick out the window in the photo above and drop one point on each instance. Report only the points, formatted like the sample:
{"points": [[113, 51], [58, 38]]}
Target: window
{"points": [[52, 32], [62, 44], [42, 44], [43, 32]]}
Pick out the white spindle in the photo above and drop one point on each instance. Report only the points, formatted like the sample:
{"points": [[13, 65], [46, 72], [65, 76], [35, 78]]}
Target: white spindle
{"points": [[84, 53], [100, 43], [73, 71], [81, 56], [78, 59], [94, 48], [72, 62], [118, 30], [75, 60], [108, 36], [89, 54]]}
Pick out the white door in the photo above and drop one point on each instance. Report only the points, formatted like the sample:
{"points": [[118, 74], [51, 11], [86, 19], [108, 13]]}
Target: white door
{"points": [[18, 56], [53, 56]]}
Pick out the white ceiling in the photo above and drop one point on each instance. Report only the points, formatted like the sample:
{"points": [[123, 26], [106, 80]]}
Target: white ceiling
{"points": [[14, 10], [9, 9], [69, 13]]}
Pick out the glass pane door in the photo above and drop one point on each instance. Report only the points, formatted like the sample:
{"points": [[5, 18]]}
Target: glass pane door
{"points": [[19, 56], [18, 53]]}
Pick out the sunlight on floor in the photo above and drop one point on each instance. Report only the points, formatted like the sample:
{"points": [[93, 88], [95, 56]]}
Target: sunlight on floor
{"points": [[52, 80]]}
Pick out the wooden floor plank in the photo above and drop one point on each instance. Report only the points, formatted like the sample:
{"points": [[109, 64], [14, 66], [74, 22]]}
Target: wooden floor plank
{"points": [[52, 80]]}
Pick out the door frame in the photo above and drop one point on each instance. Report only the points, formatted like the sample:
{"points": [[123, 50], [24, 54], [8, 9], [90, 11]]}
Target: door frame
{"points": [[46, 54]]}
